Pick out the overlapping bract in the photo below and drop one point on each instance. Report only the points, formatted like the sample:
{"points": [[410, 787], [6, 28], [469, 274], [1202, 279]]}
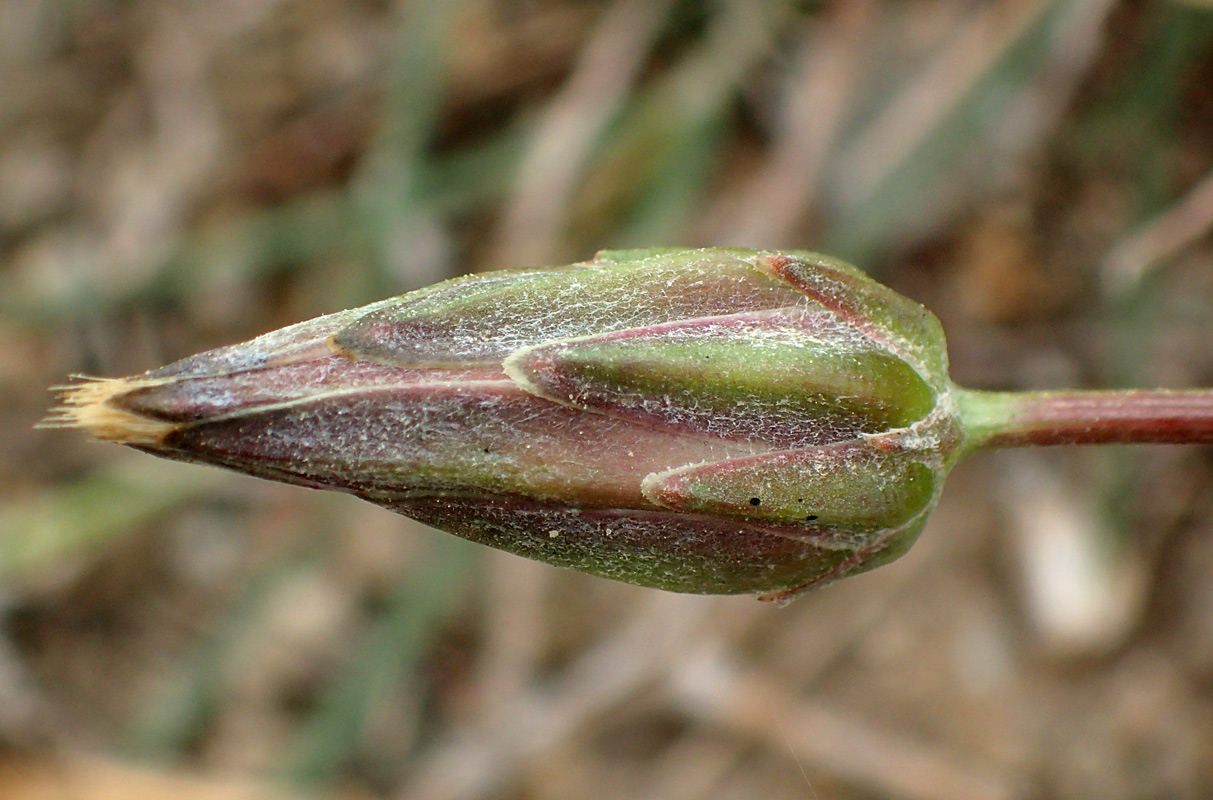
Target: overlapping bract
{"points": [[712, 421]]}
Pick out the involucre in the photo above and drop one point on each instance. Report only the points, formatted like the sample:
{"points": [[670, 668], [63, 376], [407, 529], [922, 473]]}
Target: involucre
{"points": [[709, 421]]}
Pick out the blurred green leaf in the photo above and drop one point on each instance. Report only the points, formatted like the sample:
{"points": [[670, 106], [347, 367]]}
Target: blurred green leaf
{"points": [[915, 188], [396, 644], [650, 174], [1137, 125], [177, 716], [70, 522]]}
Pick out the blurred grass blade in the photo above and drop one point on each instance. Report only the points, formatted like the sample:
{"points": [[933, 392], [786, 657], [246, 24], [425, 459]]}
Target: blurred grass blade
{"points": [[1143, 116], [1158, 241], [392, 223], [665, 144], [677, 186], [179, 714], [60, 525], [392, 649], [457, 183], [973, 99], [603, 78]]}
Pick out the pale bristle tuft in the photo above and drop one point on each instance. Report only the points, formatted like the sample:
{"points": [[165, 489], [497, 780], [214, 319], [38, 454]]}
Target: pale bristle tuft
{"points": [[88, 405]]}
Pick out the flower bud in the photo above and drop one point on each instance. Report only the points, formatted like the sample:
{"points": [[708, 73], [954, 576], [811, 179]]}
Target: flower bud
{"points": [[709, 421]]}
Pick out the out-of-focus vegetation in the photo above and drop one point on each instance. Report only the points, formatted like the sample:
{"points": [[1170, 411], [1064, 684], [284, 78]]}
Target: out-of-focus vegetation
{"points": [[176, 176]]}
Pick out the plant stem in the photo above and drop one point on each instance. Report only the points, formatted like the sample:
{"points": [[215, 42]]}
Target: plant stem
{"points": [[1131, 416]]}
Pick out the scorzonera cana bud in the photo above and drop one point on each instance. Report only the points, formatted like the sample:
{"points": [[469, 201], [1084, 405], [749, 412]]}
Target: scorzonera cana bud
{"points": [[709, 421]]}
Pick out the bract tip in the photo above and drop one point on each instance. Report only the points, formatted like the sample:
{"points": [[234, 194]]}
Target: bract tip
{"points": [[89, 405]]}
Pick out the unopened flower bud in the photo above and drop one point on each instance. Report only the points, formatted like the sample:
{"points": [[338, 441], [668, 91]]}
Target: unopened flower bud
{"points": [[709, 421]]}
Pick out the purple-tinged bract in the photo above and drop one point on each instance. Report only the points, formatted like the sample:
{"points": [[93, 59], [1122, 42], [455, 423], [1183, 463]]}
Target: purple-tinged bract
{"points": [[710, 421]]}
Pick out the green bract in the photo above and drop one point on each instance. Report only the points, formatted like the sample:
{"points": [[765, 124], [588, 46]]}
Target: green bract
{"points": [[713, 421]]}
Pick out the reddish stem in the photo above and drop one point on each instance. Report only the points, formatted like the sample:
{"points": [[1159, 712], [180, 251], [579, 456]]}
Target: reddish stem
{"points": [[1016, 419]]}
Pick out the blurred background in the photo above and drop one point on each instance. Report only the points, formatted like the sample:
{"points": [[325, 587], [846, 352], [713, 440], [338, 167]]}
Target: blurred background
{"points": [[181, 174]]}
